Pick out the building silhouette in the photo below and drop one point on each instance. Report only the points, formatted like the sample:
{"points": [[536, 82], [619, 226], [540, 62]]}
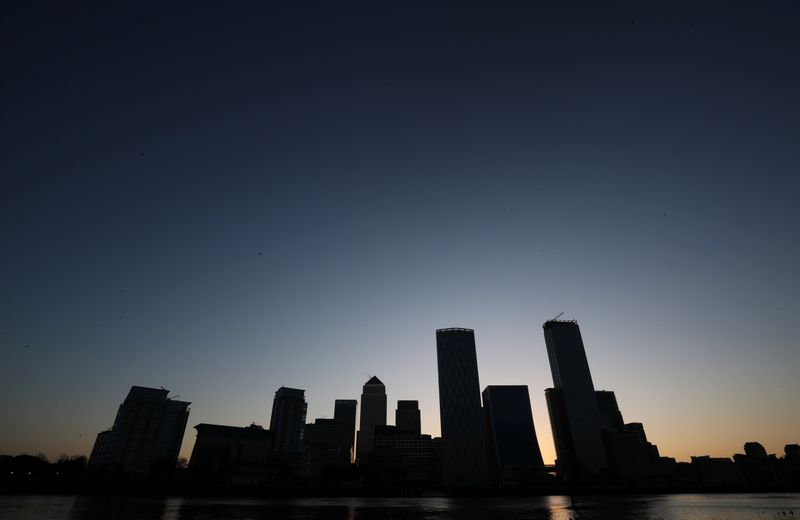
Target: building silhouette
{"points": [[559, 427], [791, 463], [610, 416], [146, 437], [231, 455], [513, 452], [403, 457], [407, 417], [373, 414], [759, 468], [344, 413], [329, 442], [716, 471], [462, 422], [287, 423], [633, 460], [572, 404]]}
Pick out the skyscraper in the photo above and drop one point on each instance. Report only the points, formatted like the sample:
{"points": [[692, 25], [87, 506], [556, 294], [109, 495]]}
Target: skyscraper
{"points": [[461, 415], [344, 413], [407, 418], [146, 436], [373, 413], [514, 455], [331, 440], [287, 422], [574, 412]]}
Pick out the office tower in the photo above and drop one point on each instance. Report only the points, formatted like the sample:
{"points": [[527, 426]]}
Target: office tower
{"points": [[632, 459], [329, 442], [559, 427], [758, 467], [146, 437], [719, 471], [610, 416], [566, 465], [461, 415], [574, 414], [231, 454], [791, 463], [513, 451], [407, 417], [344, 413], [328, 448], [287, 422], [792, 453], [403, 457], [373, 413]]}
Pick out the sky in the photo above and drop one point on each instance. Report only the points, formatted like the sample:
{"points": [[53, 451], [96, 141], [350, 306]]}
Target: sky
{"points": [[225, 199]]}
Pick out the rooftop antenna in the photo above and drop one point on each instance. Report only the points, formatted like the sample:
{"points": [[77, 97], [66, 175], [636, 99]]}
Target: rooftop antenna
{"points": [[559, 315]]}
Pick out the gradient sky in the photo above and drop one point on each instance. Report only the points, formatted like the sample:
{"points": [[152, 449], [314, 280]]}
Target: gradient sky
{"points": [[223, 199]]}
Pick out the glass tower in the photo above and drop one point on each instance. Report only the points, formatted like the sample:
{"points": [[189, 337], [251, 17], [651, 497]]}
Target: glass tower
{"points": [[514, 455], [461, 415], [373, 413], [574, 413]]}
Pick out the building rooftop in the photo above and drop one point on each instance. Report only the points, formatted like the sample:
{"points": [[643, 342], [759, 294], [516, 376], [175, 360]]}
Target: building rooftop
{"points": [[549, 323], [143, 392], [506, 387], [374, 381], [147, 394], [252, 429], [285, 390]]}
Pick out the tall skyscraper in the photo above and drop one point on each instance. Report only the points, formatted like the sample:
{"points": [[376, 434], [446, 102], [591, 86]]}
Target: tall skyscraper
{"points": [[573, 407], [146, 437], [514, 455], [407, 418], [373, 413], [344, 413], [461, 415], [287, 422]]}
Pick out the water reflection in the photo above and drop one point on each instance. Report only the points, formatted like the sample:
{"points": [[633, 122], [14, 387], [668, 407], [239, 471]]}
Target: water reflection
{"points": [[662, 507], [537, 508], [128, 508]]}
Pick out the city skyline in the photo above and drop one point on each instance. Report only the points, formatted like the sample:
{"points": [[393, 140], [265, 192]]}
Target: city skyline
{"points": [[549, 439], [488, 439], [226, 199]]}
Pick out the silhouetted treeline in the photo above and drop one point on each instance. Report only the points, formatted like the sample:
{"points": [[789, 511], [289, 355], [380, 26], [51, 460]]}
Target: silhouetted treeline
{"points": [[36, 468]]}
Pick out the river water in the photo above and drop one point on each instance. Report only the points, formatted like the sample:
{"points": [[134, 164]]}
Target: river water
{"points": [[656, 507]]}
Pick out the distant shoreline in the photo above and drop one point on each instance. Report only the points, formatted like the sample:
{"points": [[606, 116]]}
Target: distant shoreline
{"points": [[177, 490]]}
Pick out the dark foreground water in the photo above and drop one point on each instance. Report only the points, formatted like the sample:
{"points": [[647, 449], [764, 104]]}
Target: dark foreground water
{"points": [[661, 507]]}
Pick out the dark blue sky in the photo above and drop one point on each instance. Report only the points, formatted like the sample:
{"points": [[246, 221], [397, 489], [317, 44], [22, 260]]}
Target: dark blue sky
{"points": [[226, 199]]}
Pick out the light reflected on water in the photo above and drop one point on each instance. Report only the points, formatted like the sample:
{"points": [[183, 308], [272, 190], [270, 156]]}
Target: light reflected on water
{"points": [[659, 507]]}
